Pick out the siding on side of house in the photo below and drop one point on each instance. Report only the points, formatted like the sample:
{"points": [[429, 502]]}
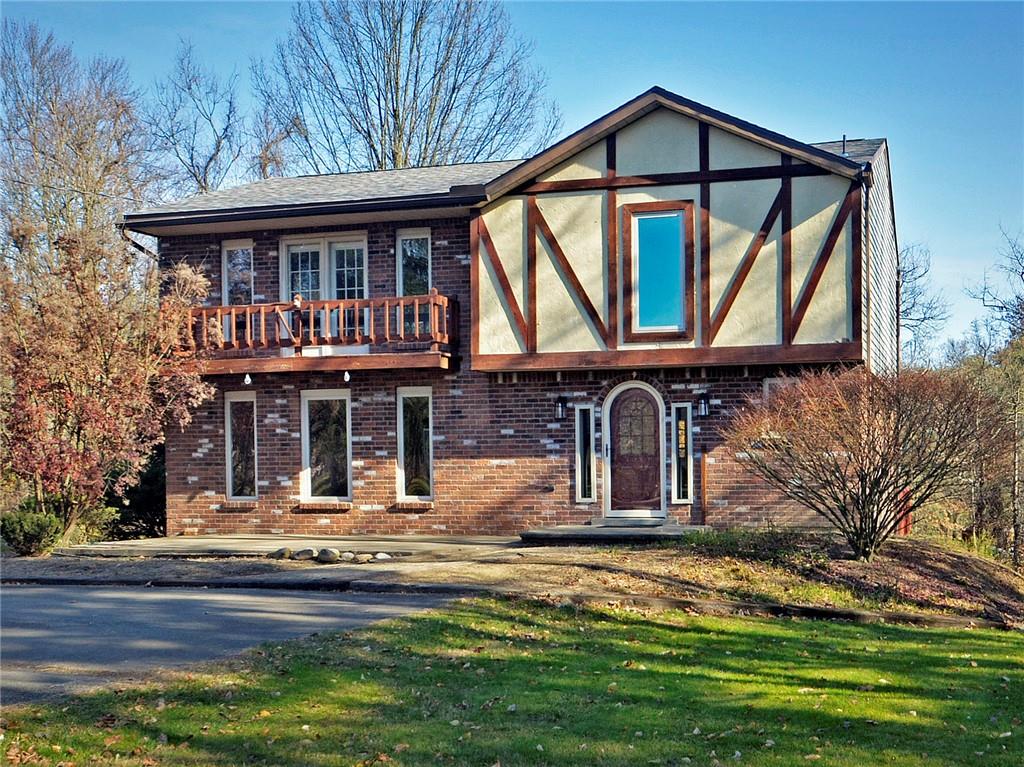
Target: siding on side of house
{"points": [[882, 266]]}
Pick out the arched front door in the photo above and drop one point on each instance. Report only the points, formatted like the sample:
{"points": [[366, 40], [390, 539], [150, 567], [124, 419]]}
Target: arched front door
{"points": [[634, 452]]}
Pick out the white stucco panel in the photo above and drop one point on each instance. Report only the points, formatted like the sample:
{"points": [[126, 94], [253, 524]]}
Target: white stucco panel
{"points": [[590, 163], [562, 323], [816, 202], [727, 150], [737, 212], [579, 224], [662, 141], [506, 222], [496, 326]]}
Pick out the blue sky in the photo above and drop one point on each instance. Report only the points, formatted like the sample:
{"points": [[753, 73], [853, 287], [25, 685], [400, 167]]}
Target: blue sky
{"points": [[943, 81]]}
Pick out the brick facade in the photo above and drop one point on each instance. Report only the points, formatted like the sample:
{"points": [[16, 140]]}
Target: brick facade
{"points": [[502, 461]]}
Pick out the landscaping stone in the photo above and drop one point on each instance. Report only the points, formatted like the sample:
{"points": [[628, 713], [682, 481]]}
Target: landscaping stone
{"points": [[282, 553], [327, 556], [362, 559], [304, 554], [347, 556], [382, 555]]}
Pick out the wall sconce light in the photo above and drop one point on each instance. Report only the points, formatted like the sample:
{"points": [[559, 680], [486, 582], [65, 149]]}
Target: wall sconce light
{"points": [[703, 405], [347, 377], [247, 380], [560, 405]]}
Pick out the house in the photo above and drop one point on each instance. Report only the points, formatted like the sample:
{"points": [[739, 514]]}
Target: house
{"points": [[495, 346]]}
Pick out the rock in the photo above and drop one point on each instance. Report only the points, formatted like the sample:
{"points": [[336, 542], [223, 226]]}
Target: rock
{"points": [[282, 553], [347, 556], [362, 559], [382, 555], [303, 554], [328, 555]]}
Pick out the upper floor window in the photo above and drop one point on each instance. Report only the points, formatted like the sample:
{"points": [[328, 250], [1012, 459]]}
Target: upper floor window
{"points": [[304, 271], [413, 255], [326, 267], [658, 280], [237, 272]]}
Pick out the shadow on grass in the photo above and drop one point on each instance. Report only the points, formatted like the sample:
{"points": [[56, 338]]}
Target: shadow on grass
{"points": [[519, 683]]}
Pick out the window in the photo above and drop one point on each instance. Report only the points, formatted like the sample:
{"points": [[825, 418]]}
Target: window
{"points": [[240, 444], [658, 281], [326, 447], [682, 454], [349, 269], [585, 453], [772, 385], [236, 282], [415, 443], [304, 271], [413, 252]]}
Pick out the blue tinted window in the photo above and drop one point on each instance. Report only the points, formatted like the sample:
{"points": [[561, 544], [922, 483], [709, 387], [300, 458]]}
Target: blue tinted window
{"points": [[659, 278]]}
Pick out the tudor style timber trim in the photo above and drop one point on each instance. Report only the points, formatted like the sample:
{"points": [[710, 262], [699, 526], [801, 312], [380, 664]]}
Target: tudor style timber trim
{"points": [[531, 274], [851, 201], [540, 226], [787, 255], [630, 335], [797, 354], [746, 264], [474, 284], [506, 286], [612, 213], [705, 235]]}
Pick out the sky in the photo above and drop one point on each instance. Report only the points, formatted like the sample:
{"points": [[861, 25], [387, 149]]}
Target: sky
{"points": [[944, 82]]}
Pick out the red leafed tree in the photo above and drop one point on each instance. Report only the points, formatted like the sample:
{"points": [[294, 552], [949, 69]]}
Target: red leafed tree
{"points": [[866, 451], [88, 374]]}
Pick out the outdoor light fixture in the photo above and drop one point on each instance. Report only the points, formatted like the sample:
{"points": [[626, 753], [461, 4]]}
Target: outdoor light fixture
{"points": [[247, 380], [560, 405], [347, 377], [703, 408]]}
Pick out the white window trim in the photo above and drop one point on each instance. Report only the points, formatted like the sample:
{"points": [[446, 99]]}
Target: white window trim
{"points": [[413, 234], [779, 382], [305, 474], [323, 243], [240, 396], [579, 457], [400, 394], [225, 246], [635, 255], [606, 466], [676, 498]]}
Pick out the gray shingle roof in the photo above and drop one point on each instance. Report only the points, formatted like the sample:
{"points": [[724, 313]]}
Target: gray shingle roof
{"points": [[339, 187], [860, 150]]}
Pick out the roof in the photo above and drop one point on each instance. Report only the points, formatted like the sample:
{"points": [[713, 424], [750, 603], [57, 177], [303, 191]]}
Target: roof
{"points": [[468, 184], [438, 185], [861, 150]]}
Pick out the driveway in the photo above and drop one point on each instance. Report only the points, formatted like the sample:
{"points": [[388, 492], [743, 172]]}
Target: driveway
{"points": [[55, 639]]}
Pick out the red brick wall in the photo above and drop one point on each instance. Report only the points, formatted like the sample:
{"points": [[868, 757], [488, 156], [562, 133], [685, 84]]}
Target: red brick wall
{"points": [[502, 461]]}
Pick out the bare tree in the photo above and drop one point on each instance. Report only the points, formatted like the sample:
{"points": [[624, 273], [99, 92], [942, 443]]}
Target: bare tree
{"points": [[266, 147], [866, 451], [379, 84], [923, 309], [195, 122], [1003, 295]]}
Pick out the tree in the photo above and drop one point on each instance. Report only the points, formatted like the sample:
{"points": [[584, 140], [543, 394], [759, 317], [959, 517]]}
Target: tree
{"points": [[88, 373], [866, 451], [923, 310], [380, 84], [1004, 297], [196, 124]]}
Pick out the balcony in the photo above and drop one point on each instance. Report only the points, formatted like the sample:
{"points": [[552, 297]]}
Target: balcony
{"points": [[341, 334]]}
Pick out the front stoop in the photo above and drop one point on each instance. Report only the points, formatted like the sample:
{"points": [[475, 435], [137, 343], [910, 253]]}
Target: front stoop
{"points": [[604, 531]]}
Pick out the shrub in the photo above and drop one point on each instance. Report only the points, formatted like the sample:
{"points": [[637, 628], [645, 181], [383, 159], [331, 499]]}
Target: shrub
{"points": [[28, 532]]}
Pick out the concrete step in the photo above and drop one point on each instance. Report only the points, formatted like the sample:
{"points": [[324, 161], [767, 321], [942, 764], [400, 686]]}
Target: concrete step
{"points": [[629, 522]]}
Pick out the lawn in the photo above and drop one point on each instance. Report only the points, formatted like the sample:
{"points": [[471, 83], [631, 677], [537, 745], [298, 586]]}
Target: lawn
{"points": [[515, 683]]}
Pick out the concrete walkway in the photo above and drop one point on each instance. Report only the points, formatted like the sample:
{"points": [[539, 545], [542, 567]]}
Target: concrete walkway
{"points": [[434, 547]]}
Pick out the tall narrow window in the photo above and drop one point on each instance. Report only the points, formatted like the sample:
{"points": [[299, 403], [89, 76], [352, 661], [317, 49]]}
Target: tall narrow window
{"points": [[236, 282], [585, 453], [682, 454], [240, 443], [415, 444], [413, 251], [349, 263], [658, 271], [304, 271], [326, 447]]}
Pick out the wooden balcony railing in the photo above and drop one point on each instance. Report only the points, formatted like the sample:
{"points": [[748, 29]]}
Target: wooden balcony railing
{"points": [[415, 322]]}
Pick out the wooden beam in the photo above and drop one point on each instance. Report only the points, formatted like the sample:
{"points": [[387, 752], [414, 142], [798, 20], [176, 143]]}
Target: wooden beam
{"points": [[705, 235], [610, 155], [796, 354], [855, 303], [704, 176], [474, 284], [570, 274], [746, 264], [823, 256], [300, 364], [786, 276], [612, 215], [531, 274], [504, 284]]}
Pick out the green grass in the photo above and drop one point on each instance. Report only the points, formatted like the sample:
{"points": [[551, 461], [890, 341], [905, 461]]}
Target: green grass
{"points": [[484, 682]]}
